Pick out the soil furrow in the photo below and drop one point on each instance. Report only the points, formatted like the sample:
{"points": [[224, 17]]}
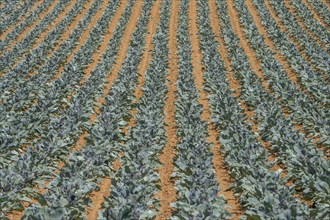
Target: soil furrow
{"points": [[292, 39], [302, 24], [83, 38], [21, 21], [167, 195], [145, 61], [97, 198], [293, 76], [326, 3], [44, 34], [315, 14], [81, 142], [234, 16], [32, 26], [218, 159], [67, 33]]}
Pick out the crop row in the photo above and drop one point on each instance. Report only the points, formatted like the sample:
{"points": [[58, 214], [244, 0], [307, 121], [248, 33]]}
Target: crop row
{"points": [[86, 167], [14, 91], [62, 136], [306, 164], [18, 30], [14, 13], [321, 9], [302, 10], [196, 183], [60, 133], [298, 104], [136, 183], [303, 110], [310, 79], [262, 192], [50, 96], [23, 46], [39, 86]]}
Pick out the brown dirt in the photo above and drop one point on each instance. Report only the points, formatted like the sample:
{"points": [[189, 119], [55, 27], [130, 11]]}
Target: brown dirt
{"points": [[145, 60], [98, 197], [97, 55], [83, 38], [67, 32], [293, 76], [315, 14], [32, 26], [302, 25], [20, 21], [17, 215], [167, 195], [43, 35], [255, 63], [81, 142], [292, 38], [326, 3], [218, 159]]}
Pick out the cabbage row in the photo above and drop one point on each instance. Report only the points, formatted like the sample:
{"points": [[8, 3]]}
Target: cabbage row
{"points": [[24, 46], [306, 165], [321, 9], [136, 183], [43, 118], [9, 6], [302, 10], [18, 93], [263, 194], [316, 55], [35, 58], [280, 83], [30, 19], [50, 96], [304, 111], [79, 176], [196, 183], [40, 160], [14, 13]]}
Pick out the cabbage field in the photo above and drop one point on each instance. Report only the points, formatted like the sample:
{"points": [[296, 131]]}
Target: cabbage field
{"points": [[164, 109]]}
